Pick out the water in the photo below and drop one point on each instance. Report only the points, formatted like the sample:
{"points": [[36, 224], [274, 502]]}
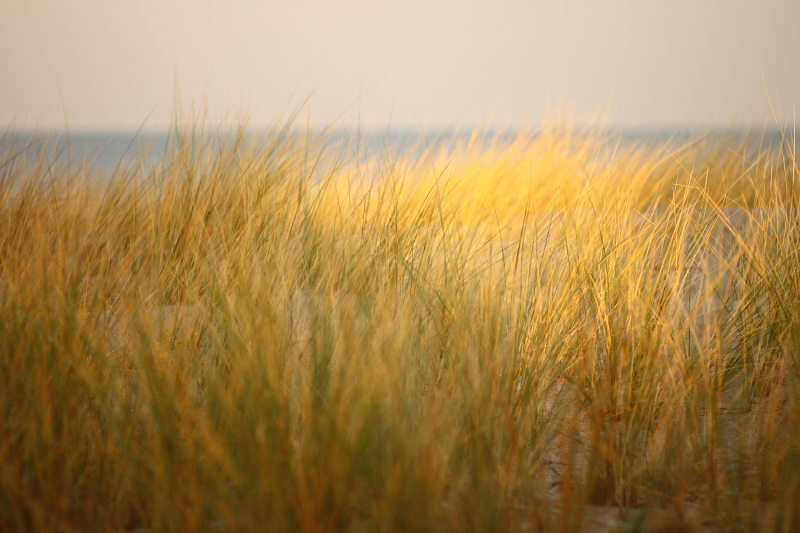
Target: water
{"points": [[105, 151]]}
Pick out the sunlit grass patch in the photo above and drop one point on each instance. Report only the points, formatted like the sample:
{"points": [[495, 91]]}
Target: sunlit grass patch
{"points": [[490, 334]]}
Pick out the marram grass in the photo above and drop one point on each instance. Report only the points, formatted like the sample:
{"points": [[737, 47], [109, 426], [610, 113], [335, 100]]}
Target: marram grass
{"points": [[552, 333]]}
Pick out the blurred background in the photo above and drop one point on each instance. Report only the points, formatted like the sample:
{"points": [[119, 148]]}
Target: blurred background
{"points": [[117, 66]]}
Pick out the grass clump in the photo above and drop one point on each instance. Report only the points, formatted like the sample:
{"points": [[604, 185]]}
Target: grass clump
{"points": [[554, 332]]}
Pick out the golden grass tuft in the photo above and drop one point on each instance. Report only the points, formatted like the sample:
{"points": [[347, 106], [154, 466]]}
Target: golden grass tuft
{"points": [[555, 332]]}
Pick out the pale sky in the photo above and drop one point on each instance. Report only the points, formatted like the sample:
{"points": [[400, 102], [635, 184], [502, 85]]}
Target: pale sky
{"points": [[115, 64]]}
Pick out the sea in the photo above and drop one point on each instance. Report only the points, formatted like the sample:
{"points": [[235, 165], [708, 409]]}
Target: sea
{"points": [[106, 152]]}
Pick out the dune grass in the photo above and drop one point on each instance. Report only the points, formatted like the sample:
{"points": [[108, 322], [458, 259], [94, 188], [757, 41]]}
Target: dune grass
{"points": [[482, 335]]}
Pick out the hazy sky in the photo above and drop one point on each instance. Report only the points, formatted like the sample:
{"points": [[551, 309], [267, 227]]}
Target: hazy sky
{"points": [[111, 64]]}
